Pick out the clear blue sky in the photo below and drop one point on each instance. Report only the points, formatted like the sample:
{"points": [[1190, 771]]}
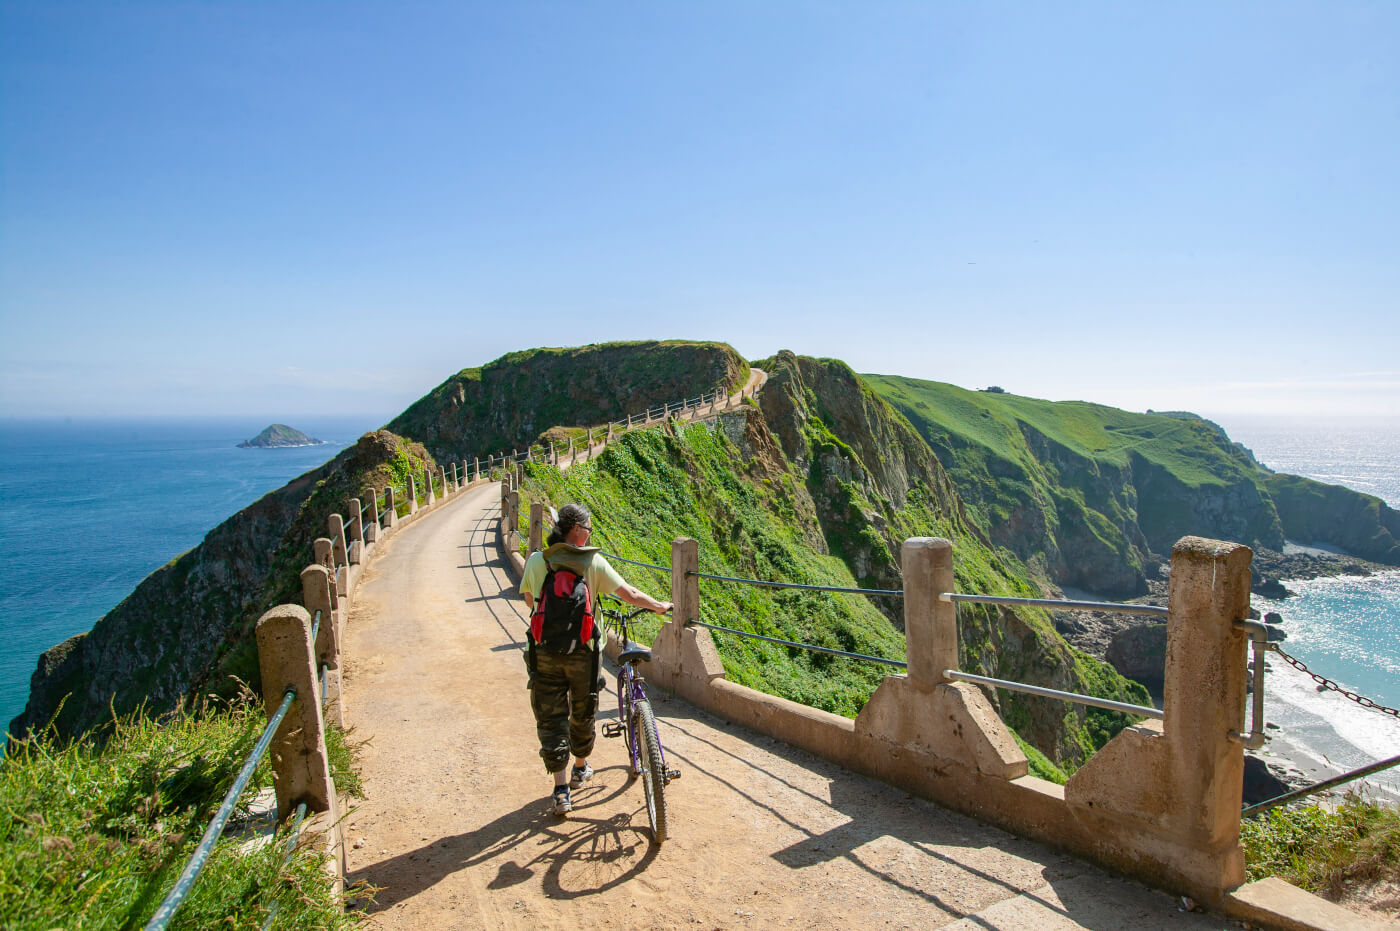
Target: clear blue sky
{"points": [[326, 208]]}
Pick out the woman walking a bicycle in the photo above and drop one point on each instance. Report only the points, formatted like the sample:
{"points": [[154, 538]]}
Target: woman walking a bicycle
{"points": [[564, 644]]}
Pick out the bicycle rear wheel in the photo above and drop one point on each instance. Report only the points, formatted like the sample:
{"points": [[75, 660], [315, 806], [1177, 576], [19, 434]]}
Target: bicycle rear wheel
{"points": [[653, 769]]}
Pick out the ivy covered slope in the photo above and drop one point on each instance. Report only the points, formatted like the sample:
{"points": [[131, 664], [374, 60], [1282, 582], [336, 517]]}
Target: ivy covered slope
{"points": [[510, 402], [1094, 497], [821, 484], [188, 626]]}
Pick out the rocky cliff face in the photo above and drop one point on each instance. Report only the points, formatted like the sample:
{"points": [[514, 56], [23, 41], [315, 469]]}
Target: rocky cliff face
{"points": [[861, 461], [509, 403], [1095, 497], [188, 626], [1313, 512], [874, 482]]}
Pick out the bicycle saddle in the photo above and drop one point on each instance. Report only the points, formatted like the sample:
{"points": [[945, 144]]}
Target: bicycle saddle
{"points": [[634, 655]]}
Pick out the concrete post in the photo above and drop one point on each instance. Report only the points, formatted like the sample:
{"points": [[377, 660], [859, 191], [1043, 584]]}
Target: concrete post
{"points": [[1181, 779], [455, 484], [610, 434], [442, 477], [412, 495], [476, 468], [685, 588], [427, 486], [391, 508], [513, 512], [336, 525], [536, 525], [316, 596], [372, 527], [325, 556], [300, 772], [357, 530], [571, 449], [1204, 683], [930, 624]]}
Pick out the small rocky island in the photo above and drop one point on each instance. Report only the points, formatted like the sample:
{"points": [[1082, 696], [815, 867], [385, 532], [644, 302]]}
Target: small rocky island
{"points": [[279, 434]]}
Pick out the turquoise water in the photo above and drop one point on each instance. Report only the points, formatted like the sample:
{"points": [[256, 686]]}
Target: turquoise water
{"points": [[1348, 628], [91, 508]]}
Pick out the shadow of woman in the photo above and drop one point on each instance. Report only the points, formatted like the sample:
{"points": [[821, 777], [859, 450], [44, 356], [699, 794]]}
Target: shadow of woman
{"points": [[605, 850]]}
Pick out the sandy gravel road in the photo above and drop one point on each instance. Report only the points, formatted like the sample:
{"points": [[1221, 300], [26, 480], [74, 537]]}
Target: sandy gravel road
{"points": [[456, 829]]}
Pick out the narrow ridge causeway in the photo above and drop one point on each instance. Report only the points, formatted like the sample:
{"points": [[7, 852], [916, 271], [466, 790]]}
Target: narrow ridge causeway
{"points": [[456, 829]]}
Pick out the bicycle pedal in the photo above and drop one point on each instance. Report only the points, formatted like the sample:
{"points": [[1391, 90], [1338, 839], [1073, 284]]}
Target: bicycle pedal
{"points": [[612, 729], [672, 774]]}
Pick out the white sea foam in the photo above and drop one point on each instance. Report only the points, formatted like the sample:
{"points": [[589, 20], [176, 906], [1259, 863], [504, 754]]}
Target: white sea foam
{"points": [[1327, 726]]}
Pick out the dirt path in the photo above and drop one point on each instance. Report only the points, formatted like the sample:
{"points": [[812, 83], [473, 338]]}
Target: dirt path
{"points": [[457, 830]]}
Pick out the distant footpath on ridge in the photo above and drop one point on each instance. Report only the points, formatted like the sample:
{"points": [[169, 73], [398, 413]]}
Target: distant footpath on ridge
{"points": [[279, 434]]}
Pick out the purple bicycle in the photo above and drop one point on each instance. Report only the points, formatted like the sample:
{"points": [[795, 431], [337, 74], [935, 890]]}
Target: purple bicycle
{"points": [[636, 722]]}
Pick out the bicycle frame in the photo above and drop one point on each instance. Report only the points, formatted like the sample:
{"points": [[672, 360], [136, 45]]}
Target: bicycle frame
{"points": [[646, 757], [631, 688]]}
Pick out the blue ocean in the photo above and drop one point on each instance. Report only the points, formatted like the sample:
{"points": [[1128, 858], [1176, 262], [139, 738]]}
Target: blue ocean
{"points": [[91, 508], [1345, 628]]}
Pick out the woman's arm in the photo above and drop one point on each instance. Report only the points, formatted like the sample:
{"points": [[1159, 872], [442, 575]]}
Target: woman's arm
{"points": [[641, 599]]}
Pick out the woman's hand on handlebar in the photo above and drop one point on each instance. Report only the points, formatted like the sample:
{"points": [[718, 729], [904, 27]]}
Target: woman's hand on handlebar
{"points": [[663, 607]]}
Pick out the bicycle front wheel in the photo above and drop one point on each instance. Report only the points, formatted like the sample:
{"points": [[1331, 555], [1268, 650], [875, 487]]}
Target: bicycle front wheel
{"points": [[653, 769]]}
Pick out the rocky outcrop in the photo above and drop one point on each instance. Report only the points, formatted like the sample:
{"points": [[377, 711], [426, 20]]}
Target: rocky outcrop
{"points": [[860, 459], [1140, 653], [188, 626], [279, 434], [509, 403]]}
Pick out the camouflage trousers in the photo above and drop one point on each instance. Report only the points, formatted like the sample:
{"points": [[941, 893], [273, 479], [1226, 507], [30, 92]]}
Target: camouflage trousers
{"points": [[564, 709]]}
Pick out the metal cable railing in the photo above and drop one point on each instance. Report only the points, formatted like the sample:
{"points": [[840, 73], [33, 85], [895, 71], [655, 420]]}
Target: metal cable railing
{"points": [[1058, 603], [196, 864], [200, 858], [1322, 786], [633, 562], [294, 835], [813, 588], [812, 647], [1055, 693]]}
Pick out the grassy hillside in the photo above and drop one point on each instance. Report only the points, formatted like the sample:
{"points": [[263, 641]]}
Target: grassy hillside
{"points": [[1091, 495], [753, 517], [94, 832]]}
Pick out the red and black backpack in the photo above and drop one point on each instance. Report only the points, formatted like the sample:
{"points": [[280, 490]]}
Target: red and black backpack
{"points": [[563, 618]]}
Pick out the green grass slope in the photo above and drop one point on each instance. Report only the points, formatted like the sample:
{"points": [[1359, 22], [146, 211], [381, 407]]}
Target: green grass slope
{"points": [[1090, 495], [94, 832], [749, 507]]}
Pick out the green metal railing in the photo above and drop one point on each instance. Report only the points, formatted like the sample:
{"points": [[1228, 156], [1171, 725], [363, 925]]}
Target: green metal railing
{"points": [[200, 858]]}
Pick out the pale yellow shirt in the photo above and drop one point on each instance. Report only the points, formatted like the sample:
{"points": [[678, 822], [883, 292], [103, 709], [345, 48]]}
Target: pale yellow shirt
{"points": [[598, 573]]}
